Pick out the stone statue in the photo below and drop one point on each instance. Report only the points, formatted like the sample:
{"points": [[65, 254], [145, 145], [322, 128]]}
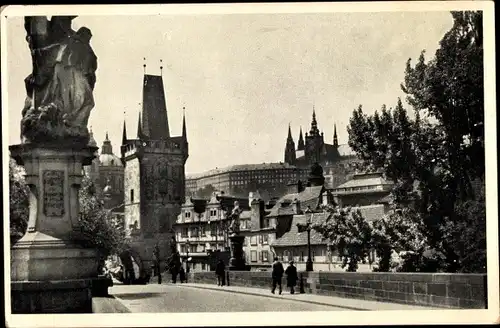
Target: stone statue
{"points": [[60, 88], [234, 228]]}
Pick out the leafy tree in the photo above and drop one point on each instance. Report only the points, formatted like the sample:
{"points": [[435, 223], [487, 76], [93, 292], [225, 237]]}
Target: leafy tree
{"points": [[206, 191], [348, 232], [435, 158], [99, 227], [18, 203]]}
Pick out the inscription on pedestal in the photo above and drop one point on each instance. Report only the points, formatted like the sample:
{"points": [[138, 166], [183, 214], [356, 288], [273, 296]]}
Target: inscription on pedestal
{"points": [[53, 193]]}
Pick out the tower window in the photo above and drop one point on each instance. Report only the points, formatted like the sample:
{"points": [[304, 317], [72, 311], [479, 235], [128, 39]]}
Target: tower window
{"points": [[131, 195]]}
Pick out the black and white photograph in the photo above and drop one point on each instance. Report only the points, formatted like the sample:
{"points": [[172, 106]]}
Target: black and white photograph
{"points": [[250, 164]]}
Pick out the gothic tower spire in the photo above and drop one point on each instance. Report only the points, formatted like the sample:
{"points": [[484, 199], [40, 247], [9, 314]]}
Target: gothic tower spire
{"points": [[335, 139], [139, 128], [290, 156], [301, 145], [184, 131], [314, 125], [154, 109], [124, 133]]}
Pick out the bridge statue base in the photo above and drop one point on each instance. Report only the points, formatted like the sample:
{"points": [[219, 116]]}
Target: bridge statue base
{"points": [[237, 261], [51, 271]]}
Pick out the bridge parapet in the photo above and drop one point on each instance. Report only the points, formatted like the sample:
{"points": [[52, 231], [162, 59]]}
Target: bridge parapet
{"points": [[444, 290]]}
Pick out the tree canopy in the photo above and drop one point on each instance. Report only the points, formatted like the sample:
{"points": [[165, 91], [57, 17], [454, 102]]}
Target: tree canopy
{"points": [[99, 227], [436, 159]]}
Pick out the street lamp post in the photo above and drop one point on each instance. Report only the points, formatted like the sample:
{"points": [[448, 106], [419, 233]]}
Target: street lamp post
{"points": [[187, 258], [309, 214]]}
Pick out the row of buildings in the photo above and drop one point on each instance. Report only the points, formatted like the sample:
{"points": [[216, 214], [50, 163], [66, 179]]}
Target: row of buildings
{"points": [[270, 227]]}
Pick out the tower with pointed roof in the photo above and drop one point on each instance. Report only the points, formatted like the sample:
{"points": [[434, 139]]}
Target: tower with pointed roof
{"points": [[154, 184], [335, 139], [301, 145], [290, 148], [314, 142]]}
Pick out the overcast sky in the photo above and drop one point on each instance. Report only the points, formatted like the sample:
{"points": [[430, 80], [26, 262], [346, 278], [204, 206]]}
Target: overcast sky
{"points": [[242, 78]]}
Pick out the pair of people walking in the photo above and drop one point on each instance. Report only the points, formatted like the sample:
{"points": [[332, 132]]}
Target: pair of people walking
{"points": [[277, 275]]}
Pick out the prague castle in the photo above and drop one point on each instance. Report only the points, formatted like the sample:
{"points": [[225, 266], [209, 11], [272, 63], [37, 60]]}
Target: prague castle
{"points": [[338, 160]]}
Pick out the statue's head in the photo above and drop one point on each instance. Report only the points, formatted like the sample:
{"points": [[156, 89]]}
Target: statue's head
{"points": [[236, 204], [84, 34], [63, 21]]}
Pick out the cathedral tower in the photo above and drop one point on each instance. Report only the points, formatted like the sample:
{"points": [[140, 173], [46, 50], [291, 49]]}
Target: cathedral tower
{"points": [[314, 142]]}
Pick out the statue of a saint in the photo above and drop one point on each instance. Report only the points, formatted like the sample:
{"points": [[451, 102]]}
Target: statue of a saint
{"points": [[60, 88], [234, 228]]}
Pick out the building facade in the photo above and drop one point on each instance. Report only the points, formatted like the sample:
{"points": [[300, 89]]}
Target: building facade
{"points": [[270, 179], [154, 175], [202, 227]]}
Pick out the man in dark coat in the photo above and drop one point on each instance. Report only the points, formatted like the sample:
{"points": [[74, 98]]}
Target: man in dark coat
{"points": [[277, 274], [291, 277], [220, 271], [174, 266]]}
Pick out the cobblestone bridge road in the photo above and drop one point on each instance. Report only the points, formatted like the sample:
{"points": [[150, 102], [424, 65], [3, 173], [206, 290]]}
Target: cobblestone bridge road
{"points": [[178, 298]]}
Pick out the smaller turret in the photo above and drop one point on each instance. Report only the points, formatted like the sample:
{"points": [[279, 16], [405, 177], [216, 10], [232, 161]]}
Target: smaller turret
{"points": [[290, 156]]}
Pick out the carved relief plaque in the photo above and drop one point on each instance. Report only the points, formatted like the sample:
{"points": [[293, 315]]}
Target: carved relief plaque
{"points": [[53, 193]]}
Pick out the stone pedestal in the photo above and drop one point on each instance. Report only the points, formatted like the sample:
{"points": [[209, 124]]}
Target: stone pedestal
{"points": [[47, 265], [237, 262]]}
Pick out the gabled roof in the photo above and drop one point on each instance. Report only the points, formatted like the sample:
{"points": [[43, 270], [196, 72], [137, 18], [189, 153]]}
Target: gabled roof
{"points": [[310, 196], [295, 238], [365, 180]]}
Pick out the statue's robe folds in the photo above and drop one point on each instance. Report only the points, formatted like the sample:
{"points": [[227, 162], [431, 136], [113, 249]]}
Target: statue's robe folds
{"points": [[66, 77]]}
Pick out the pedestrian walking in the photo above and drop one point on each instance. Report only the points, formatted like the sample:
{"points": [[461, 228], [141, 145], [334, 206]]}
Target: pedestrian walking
{"points": [[291, 277], [182, 274], [174, 266], [277, 275], [220, 271]]}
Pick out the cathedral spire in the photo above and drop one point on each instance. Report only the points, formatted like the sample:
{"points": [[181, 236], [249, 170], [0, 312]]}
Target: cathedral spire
{"points": [[290, 156], [314, 125], [301, 145], [335, 139]]}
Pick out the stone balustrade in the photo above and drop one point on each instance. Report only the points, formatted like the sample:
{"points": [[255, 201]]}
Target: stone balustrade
{"points": [[444, 290]]}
